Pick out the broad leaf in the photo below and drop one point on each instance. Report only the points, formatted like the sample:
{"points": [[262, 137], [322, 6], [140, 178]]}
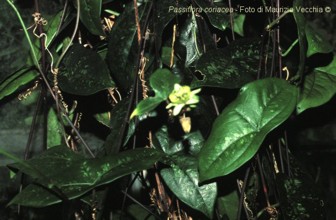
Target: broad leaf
{"points": [[84, 72], [241, 128], [122, 46], [231, 67], [318, 88], [90, 16], [228, 205], [76, 175], [54, 133], [183, 180], [217, 17], [162, 82], [13, 82], [316, 42]]}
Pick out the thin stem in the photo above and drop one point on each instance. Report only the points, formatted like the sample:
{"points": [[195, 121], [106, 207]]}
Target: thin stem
{"points": [[63, 16], [72, 37], [31, 46], [265, 190], [242, 193], [269, 26], [231, 21]]}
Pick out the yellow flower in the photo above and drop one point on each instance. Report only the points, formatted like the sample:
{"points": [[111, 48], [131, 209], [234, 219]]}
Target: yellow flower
{"points": [[182, 96]]}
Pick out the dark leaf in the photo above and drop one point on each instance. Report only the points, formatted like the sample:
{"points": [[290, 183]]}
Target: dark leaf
{"points": [[90, 16], [297, 199], [13, 82], [318, 88], [122, 46], [316, 42], [219, 19], [183, 180], [241, 128], [231, 67], [76, 175], [228, 205], [84, 72]]}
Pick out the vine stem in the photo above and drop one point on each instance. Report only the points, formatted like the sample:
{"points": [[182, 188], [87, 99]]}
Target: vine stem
{"points": [[72, 37], [31, 46]]}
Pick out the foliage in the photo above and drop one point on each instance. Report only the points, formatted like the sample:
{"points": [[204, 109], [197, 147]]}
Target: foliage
{"points": [[156, 110]]}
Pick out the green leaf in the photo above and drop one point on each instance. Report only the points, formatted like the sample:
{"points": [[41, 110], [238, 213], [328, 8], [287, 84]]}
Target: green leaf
{"points": [[220, 19], [122, 46], [318, 88], [54, 135], [146, 105], [241, 128], [231, 67], [189, 39], [116, 123], [167, 144], [84, 72], [90, 16], [228, 205], [162, 82], [316, 42], [13, 82], [331, 68], [183, 180], [238, 25], [74, 175]]}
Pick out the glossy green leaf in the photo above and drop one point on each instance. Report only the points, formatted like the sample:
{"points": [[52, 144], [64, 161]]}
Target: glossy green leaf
{"points": [[122, 46], [13, 82], [162, 82], [231, 67], [228, 205], [219, 19], [54, 133], [318, 88], [90, 16], [241, 128], [146, 105], [84, 72], [76, 175], [316, 42], [182, 179], [104, 118]]}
